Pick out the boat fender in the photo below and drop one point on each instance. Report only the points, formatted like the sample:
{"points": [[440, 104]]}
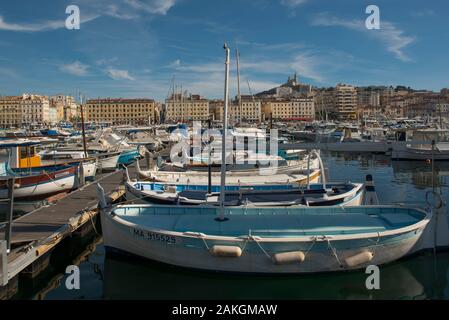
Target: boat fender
{"points": [[360, 258], [226, 251], [17, 185], [289, 257]]}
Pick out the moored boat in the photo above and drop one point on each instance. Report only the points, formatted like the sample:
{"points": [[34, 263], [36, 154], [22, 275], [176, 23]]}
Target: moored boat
{"points": [[343, 194], [269, 240], [41, 184]]}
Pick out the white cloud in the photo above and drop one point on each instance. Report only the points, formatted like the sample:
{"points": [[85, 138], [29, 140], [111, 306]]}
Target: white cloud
{"points": [[40, 26], [76, 68], [152, 6], [114, 11], [118, 74], [389, 34], [424, 13], [175, 64], [292, 3]]}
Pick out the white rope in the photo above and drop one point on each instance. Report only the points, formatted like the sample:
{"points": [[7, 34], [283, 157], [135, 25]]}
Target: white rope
{"points": [[310, 248], [376, 245], [334, 251], [205, 243], [260, 246]]}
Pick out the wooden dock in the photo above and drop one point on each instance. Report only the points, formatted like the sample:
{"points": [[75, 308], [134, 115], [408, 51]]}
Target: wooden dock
{"points": [[37, 233]]}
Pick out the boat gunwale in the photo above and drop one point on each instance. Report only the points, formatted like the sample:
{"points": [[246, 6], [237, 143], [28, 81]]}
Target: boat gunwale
{"points": [[421, 224], [356, 187]]}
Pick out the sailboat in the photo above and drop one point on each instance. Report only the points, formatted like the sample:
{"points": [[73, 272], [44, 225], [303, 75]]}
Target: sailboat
{"points": [[261, 240]]}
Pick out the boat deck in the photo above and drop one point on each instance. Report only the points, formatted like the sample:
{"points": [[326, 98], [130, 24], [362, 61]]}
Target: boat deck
{"points": [[272, 222]]}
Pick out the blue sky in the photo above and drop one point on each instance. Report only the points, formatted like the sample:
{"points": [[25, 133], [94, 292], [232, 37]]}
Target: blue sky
{"points": [[132, 48]]}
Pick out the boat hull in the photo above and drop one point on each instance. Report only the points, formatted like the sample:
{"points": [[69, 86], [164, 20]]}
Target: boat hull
{"points": [[419, 154], [107, 162], [352, 197], [194, 253], [43, 185], [322, 251]]}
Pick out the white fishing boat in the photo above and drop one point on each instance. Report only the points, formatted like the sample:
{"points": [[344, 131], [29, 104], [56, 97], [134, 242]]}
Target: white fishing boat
{"points": [[420, 146], [342, 194], [265, 175], [49, 157], [107, 160], [264, 240], [247, 163]]}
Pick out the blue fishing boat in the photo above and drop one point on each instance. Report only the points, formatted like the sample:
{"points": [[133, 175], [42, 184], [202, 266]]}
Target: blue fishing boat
{"points": [[129, 156], [315, 194], [273, 240]]}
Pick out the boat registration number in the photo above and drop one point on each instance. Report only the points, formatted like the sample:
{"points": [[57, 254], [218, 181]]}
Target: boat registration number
{"points": [[154, 236]]}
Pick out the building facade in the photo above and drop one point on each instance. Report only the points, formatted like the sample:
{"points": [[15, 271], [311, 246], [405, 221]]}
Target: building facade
{"points": [[286, 109], [28, 109], [10, 112], [346, 102], [121, 111], [183, 108], [66, 107]]}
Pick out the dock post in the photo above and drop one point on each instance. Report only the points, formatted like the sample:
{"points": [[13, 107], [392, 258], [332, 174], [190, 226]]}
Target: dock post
{"points": [[8, 232], [3, 264], [82, 177]]}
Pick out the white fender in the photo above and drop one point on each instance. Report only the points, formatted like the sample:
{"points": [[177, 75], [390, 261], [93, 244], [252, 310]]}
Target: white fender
{"points": [[226, 251], [360, 258], [289, 257]]}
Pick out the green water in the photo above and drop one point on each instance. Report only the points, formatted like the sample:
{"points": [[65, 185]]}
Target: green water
{"points": [[420, 277]]}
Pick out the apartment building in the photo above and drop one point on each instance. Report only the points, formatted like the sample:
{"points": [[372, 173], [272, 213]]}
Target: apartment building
{"points": [[368, 96], [285, 109], [66, 107], [346, 102], [121, 111], [10, 112], [248, 110], [186, 108]]}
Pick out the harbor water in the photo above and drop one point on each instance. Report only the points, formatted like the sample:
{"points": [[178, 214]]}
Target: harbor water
{"points": [[423, 276]]}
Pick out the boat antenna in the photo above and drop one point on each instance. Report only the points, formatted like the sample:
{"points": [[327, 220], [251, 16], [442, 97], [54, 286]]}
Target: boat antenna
{"points": [[223, 139]]}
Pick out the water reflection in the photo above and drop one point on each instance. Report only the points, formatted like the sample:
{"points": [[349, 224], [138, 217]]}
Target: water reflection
{"points": [[409, 279]]}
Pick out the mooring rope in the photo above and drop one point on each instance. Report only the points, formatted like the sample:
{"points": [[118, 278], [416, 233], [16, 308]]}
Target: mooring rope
{"points": [[334, 251], [260, 246]]}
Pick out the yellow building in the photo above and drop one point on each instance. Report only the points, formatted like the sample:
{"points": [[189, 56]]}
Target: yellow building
{"points": [[294, 108], [346, 102], [121, 111], [249, 111], [22, 110], [187, 108], [66, 107], [10, 112]]}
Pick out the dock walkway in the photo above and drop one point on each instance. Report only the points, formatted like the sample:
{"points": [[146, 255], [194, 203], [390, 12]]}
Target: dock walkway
{"points": [[38, 232]]}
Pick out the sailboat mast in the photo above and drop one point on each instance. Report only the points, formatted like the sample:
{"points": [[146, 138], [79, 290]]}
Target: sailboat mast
{"points": [[223, 139], [239, 97], [83, 130]]}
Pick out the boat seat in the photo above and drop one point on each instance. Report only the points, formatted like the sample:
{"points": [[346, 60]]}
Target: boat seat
{"points": [[398, 219], [193, 194]]}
